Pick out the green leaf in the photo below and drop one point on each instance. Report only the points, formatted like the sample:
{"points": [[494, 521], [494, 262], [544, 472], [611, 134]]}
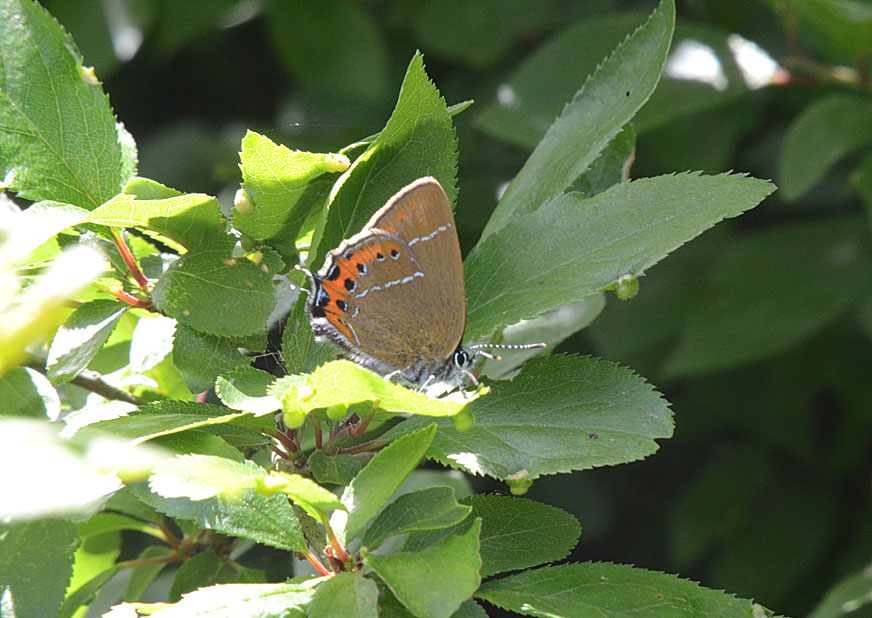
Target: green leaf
{"points": [[308, 494], [199, 571], [743, 319], [515, 533], [479, 34], [123, 501], [345, 594], [376, 483], [573, 247], [204, 476], [846, 597], [535, 94], [200, 281], [268, 520], [36, 313], [287, 600], [418, 140], [300, 351], [203, 443], [26, 392], [604, 589], [607, 101], [847, 24], [84, 594], [31, 228], [426, 509], [76, 476], [168, 417], [148, 189], [245, 388], [81, 337], [611, 166], [103, 523], [343, 383], [434, 582], [58, 139], [336, 469], [36, 563], [277, 179], [390, 607], [304, 35], [200, 357], [188, 219], [152, 341], [561, 413], [470, 609], [819, 137], [550, 328]]}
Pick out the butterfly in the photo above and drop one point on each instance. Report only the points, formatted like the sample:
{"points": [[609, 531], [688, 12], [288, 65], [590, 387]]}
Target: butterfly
{"points": [[393, 295]]}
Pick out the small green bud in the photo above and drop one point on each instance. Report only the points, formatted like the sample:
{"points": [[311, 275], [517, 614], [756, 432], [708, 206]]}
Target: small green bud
{"points": [[271, 484], [336, 162], [294, 418], [337, 411], [243, 203], [626, 287], [248, 243], [519, 482]]}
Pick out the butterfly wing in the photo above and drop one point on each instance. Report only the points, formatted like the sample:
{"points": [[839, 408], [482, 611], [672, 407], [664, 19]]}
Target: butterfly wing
{"points": [[395, 291]]}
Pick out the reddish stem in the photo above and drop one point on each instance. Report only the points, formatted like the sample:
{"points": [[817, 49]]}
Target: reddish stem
{"points": [[130, 299], [129, 260], [360, 448], [316, 563], [357, 430], [289, 444], [171, 539], [144, 562], [280, 452], [338, 550]]}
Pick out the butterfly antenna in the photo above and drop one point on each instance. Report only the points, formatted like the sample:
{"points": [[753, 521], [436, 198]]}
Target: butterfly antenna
{"points": [[505, 346], [306, 272]]}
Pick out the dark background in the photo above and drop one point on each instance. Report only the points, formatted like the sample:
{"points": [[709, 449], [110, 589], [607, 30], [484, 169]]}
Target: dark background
{"points": [[764, 489]]}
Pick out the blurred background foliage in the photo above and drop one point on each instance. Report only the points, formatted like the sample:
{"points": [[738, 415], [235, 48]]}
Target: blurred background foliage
{"points": [[759, 333]]}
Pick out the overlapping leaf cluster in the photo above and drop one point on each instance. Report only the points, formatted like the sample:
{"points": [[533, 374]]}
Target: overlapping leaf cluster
{"points": [[188, 291]]}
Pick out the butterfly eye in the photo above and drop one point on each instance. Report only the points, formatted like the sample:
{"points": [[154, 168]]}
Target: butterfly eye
{"points": [[461, 358]]}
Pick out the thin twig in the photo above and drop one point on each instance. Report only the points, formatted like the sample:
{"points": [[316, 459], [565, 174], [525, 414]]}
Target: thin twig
{"points": [[93, 382], [316, 425], [144, 562]]}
